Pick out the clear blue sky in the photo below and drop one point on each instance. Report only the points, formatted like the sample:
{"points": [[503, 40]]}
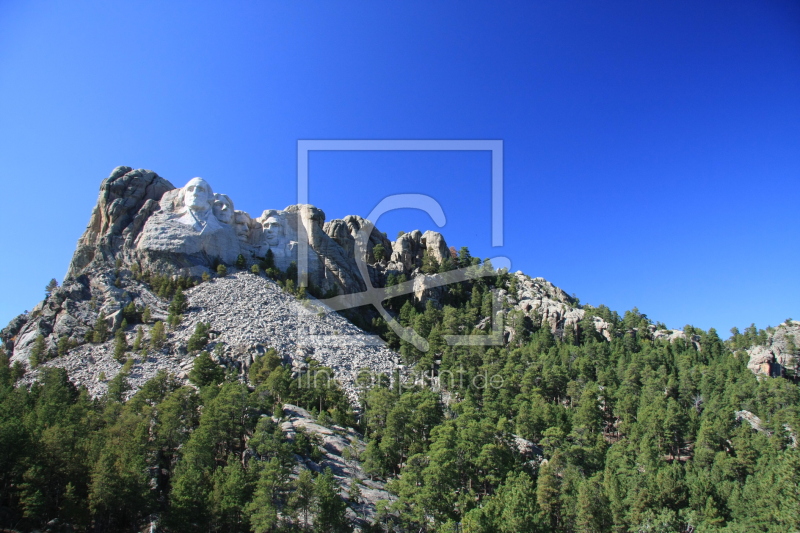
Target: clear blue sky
{"points": [[652, 149]]}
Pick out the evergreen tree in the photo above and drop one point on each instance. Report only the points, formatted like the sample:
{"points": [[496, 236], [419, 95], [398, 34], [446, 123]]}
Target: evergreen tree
{"points": [[592, 507], [330, 516], [429, 263], [229, 497], [64, 345], [118, 386], [137, 341], [51, 286], [157, 336], [241, 262], [378, 252], [146, 315], [199, 338], [177, 307], [120, 345], [100, 332], [302, 499], [38, 354], [262, 511], [205, 371]]}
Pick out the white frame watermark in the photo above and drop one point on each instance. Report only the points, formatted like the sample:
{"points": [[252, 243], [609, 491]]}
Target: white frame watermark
{"points": [[376, 295]]}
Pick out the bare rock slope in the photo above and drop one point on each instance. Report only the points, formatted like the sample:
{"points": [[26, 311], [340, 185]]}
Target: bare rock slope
{"points": [[248, 314]]}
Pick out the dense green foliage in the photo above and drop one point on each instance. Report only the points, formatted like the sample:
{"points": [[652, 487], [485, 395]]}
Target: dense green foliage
{"points": [[550, 433], [191, 460], [634, 434]]}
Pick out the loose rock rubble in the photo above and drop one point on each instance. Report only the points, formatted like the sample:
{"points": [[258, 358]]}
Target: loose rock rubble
{"points": [[248, 314]]}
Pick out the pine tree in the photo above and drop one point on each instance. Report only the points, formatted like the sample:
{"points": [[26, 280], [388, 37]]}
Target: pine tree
{"points": [[378, 252], [146, 315], [269, 261], [241, 262], [222, 271], [548, 492], [593, 514], [229, 496], [199, 338], [330, 516], [262, 510], [137, 342], [205, 371], [120, 345], [118, 386], [429, 263], [302, 498], [100, 332], [130, 313], [177, 307], [17, 371], [38, 352], [51, 286], [464, 257], [63, 346], [157, 336], [354, 492]]}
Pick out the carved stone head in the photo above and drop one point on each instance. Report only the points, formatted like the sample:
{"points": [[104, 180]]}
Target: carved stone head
{"points": [[243, 225], [197, 195], [272, 230], [223, 208]]}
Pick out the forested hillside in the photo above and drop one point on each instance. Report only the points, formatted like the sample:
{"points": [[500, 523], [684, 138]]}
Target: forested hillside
{"points": [[548, 433]]}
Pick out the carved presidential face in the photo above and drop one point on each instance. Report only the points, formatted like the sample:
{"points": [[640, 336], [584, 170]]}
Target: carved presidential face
{"points": [[242, 225], [223, 208], [273, 230], [197, 195]]}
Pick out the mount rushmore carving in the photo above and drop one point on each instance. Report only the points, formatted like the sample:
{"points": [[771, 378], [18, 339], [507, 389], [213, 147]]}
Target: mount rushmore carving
{"points": [[142, 218]]}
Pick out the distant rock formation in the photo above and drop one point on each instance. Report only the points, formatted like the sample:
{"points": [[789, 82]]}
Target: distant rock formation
{"points": [[780, 355]]}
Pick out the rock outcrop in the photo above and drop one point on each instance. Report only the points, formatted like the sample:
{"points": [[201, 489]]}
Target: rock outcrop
{"points": [[544, 302], [781, 353], [127, 199], [340, 449]]}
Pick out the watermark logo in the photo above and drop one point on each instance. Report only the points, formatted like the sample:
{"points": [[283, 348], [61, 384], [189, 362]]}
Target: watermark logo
{"points": [[376, 295]]}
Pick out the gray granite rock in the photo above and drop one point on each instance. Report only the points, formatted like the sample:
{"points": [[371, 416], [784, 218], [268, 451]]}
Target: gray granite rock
{"points": [[781, 353]]}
